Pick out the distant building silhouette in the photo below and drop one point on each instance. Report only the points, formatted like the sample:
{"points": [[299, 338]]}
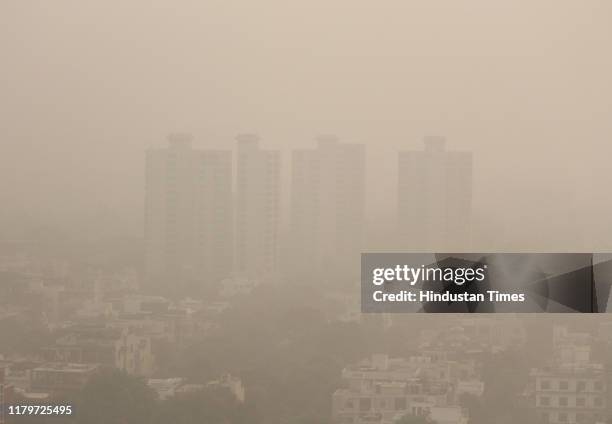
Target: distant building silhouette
{"points": [[257, 208], [327, 206], [435, 198], [188, 219]]}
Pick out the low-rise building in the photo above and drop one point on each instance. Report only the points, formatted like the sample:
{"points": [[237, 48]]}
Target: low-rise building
{"points": [[382, 389], [5, 394], [231, 383], [119, 348], [59, 378], [448, 415], [165, 388], [570, 394]]}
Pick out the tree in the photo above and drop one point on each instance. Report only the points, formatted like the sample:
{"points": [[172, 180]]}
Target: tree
{"points": [[113, 397]]}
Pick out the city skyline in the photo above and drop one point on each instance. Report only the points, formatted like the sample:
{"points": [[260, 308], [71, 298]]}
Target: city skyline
{"points": [[204, 218], [317, 212]]}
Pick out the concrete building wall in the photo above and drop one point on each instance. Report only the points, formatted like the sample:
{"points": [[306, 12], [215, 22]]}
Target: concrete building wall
{"points": [[434, 198], [327, 206], [188, 211], [257, 208]]}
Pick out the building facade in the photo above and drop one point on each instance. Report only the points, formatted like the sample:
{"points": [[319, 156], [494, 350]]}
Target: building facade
{"points": [[434, 198], [381, 390], [61, 378], [257, 208], [571, 395], [327, 206], [114, 347], [188, 212]]}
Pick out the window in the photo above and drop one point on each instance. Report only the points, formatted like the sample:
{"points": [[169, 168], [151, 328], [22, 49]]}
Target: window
{"points": [[563, 385], [562, 401], [544, 401], [598, 386], [581, 386], [545, 385], [598, 402], [562, 417], [365, 404], [400, 404], [580, 402]]}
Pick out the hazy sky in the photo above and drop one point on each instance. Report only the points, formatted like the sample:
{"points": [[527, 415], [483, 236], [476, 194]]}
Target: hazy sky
{"points": [[526, 85]]}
